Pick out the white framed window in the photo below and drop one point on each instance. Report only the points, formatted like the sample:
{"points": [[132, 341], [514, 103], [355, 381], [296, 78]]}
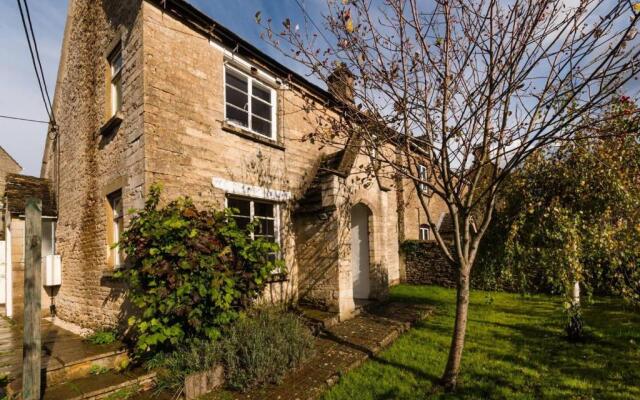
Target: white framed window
{"points": [[48, 237], [425, 232], [267, 213], [115, 65], [116, 227], [249, 103], [422, 175]]}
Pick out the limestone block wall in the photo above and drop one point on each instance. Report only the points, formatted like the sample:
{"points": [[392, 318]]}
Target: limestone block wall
{"points": [[318, 259], [412, 212], [426, 265], [93, 163], [188, 144], [7, 166]]}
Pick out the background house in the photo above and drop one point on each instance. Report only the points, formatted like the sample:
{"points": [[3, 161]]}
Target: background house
{"points": [[15, 189], [7, 166]]}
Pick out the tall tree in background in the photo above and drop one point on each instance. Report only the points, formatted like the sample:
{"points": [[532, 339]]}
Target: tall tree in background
{"points": [[467, 85], [572, 214]]}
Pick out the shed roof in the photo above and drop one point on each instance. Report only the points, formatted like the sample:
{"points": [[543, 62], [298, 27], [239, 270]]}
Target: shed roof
{"points": [[19, 188]]}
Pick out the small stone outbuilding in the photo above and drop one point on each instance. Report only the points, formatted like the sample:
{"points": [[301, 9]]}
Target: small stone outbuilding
{"points": [[19, 188]]}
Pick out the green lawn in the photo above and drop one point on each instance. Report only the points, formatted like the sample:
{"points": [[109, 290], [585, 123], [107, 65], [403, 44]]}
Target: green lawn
{"points": [[515, 350]]}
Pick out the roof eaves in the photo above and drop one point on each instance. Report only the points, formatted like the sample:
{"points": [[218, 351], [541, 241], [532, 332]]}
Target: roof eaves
{"points": [[207, 26]]}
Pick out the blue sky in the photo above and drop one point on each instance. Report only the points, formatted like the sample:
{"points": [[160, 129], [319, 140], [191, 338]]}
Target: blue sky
{"points": [[20, 94]]}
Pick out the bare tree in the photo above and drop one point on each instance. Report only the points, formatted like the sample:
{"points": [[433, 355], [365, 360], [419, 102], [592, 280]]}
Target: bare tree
{"points": [[473, 86]]}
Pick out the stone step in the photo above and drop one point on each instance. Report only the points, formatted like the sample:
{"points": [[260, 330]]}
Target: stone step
{"points": [[319, 320], [57, 371], [107, 385]]}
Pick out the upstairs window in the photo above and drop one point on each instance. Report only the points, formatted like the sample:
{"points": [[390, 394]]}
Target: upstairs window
{"points": [[425, 232], [422, 175], [249, 103], [115, 73], [115, 227]]}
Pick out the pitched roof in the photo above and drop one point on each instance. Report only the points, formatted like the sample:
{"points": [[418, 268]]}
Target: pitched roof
{"points": [[6, 153], [19, 188]]}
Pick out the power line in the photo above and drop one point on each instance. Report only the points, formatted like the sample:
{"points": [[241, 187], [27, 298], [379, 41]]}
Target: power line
{"points": [[24, 119], [35, 60], [35, 45]]}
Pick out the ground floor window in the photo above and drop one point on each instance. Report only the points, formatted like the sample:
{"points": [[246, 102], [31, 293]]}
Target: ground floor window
{"points": [[48, 237], [115, 227], [267, 213], [425, 232]]}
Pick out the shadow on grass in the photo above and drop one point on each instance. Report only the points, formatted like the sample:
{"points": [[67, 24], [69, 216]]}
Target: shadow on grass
{"points": [[515, 349]]}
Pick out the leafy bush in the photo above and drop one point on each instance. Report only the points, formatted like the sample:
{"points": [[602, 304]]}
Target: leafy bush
{"points": [[102, 337], [196, 356], [571, 214], [258, 348], [262, 348], [190, 271]]}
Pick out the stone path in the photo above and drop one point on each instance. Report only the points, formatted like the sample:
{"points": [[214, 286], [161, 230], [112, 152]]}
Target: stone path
{"points": [[340, 349], [59, 347]]}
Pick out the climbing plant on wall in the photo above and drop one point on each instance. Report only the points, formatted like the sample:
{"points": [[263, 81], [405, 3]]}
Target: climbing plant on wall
{"points": [[190, 271]]}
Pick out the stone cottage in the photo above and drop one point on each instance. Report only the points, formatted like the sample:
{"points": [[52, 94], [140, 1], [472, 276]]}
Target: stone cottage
{"points": [[156, 91]]}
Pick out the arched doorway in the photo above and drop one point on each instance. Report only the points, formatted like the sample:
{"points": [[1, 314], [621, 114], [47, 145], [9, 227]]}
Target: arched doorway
{"points": [[360, 251]]}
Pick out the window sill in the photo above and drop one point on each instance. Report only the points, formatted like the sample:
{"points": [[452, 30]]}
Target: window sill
{"points": [[109, 279], [112, 124], [247, 134], [278, 277]]}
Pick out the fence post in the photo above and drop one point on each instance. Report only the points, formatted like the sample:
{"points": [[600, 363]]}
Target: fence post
{"points": [[31, 351]]}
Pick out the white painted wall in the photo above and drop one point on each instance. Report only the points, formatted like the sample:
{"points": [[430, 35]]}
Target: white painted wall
{"points": [[9, 273], [3, 272]]}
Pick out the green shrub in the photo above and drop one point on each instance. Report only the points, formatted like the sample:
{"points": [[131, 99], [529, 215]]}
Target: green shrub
{"points": [[258, 348], [261, 348], [102, 337], [4, 382], [172, 368], [190, 271]]}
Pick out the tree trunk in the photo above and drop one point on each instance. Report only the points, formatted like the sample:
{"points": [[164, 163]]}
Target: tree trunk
{"points": [[575, 294], [450, 377]]}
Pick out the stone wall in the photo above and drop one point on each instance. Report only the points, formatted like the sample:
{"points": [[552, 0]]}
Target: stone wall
{"points": [[426, 265], [7, 166], [94, 162], [412, 213]]}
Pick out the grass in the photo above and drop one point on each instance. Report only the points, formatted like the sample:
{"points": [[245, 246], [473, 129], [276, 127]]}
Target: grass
{"points": [[515, 349], [102, 337], [96, 369]]}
